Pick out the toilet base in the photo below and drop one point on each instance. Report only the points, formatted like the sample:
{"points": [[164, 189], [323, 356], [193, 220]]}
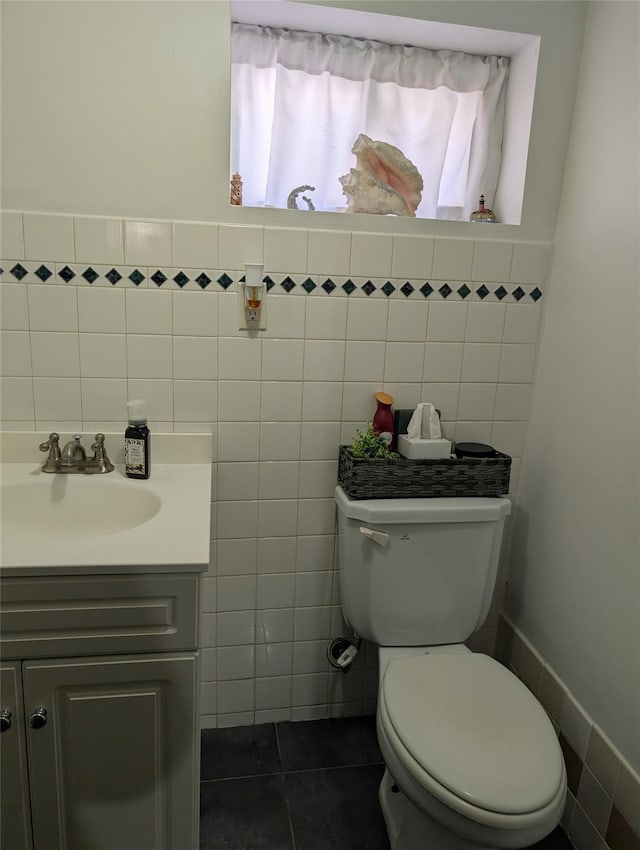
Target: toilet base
{"points": [[410, 829]]}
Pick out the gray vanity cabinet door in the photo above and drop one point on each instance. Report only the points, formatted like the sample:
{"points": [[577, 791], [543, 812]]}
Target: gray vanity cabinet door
{"points": [[15, 820], [115, 763]]}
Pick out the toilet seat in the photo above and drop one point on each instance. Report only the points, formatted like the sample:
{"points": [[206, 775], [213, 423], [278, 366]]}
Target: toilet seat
{"points": [[473, 736]]}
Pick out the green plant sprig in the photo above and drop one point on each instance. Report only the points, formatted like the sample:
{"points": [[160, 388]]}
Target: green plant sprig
{"points": [[368, 444]]}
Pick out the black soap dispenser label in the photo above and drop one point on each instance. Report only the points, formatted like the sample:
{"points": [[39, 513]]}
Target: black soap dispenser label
{"points": [[137, 442]]}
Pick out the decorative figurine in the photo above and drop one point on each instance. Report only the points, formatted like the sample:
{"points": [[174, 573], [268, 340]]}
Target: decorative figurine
{"points": [[236, 191], [383, 182], [293, 194], [483, 213]]}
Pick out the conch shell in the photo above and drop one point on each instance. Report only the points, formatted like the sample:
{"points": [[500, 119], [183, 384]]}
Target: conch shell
{"points": [[384, 181]]}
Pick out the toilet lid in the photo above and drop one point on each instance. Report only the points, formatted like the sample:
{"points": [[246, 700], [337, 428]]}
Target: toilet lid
{"points": [[475, 728]]}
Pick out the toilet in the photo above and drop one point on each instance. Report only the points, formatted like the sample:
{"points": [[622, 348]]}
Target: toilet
{"points": [[471, 758]]}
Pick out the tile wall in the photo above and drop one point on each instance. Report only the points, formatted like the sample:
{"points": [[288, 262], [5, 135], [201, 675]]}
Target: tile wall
{"points": [[99, 310], [603, 803]]}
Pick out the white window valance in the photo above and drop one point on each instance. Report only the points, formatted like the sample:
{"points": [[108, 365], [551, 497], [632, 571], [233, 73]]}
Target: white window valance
{"points": [[300, 100]]}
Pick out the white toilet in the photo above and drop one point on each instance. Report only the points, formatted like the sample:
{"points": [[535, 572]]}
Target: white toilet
{"points": [[472, 760]]}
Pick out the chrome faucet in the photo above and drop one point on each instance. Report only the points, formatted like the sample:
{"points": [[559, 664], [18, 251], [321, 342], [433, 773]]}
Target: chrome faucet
{"points": [[73, 457]]}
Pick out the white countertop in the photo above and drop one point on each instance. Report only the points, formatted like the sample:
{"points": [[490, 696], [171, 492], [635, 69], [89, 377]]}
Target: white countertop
{"points": [[174, 538]]}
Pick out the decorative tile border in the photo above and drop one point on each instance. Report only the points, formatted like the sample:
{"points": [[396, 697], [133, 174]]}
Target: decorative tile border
{"points": [[219, 280], [603, 798]]}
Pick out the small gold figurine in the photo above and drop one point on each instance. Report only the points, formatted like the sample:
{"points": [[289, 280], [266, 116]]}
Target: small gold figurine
{"points": [[483, 213], [236, 191]]}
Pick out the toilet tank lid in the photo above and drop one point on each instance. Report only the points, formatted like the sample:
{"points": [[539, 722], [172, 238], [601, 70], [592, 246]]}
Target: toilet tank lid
{"points": [[470, 509]]}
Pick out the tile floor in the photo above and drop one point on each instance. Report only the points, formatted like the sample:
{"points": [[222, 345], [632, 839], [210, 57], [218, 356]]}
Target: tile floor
{"points": [[297, 786]]}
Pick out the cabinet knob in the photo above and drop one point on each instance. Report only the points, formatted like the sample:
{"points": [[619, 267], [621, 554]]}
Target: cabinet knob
{"points": [[5, 720], [39, 718]]}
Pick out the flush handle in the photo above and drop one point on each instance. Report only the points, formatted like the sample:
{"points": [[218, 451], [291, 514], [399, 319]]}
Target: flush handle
{"points": [[378, 537]]}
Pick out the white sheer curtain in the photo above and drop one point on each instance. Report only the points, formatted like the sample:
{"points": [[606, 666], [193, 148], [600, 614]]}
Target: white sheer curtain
{"points": [[299, 100]]}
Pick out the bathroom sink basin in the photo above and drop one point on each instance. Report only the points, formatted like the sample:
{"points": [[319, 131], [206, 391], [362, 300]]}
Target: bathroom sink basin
{"points": [[64, 508], [57, 524]]}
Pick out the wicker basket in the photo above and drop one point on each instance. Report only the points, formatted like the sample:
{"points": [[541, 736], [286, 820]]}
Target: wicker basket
{"points": [[400, 478]]}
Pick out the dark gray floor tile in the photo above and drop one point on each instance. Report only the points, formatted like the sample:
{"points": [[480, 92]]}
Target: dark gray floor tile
{"points": [[328, 743], [244, 814], [337, 808], [240, 751], [557, 840]]}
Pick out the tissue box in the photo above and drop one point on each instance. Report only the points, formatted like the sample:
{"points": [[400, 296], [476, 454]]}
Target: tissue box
{"points": [[417, 449]]}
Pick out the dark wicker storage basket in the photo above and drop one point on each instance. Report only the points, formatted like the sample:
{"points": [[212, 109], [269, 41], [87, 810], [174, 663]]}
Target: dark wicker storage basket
{"points": [[400, 478]]}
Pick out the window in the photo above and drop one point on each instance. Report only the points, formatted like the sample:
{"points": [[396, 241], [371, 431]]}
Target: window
{"points": [[300, 100]]}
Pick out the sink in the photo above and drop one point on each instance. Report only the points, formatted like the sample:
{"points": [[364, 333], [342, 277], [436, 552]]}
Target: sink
{"points": [[62, 507]]}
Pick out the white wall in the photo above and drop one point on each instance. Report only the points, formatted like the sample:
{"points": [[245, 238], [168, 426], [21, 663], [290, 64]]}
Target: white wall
{"points": [[122, 109], [574, 588]]}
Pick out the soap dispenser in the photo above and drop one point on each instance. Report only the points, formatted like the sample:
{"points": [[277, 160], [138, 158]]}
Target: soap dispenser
{"points": [[137, 442]]}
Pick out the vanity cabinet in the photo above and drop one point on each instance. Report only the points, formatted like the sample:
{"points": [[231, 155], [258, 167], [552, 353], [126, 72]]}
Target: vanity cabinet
{"points": [[101, 749]]}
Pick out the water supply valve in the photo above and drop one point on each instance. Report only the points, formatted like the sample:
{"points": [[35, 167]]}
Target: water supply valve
{"points": [[341, 653]]}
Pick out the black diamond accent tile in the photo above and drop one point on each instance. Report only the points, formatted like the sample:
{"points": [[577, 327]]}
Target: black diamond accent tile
{"points": [[328, 286], [66, 274], [158, 278], [406, 289], [266, 279], [464, 290], [113, 276], [308, 286], [43, 273], [349, 286], [136, 277], [1, 271], [388, 288], [536, 294], [203, 281], [225, 281], [368, 288], [181, 279], [445, 290], [90, 275], [269, 284], [19, 271], [426, 290], [482, 291], [287, 284], [500, 292], [518, 293]]}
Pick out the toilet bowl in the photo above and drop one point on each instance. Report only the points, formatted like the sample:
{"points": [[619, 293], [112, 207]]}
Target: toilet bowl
{"points": [[472, 760]]}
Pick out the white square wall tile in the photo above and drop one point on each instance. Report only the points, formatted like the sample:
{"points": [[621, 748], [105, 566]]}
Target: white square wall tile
{"points": [[235, 628], [320, 441], [49, 237], [485, 322], [480, 361], [52, 308], [447, 322], [316, 516], [285, 319], [274, 625], [147, 243], [239, 244], [404, 361], [512, 402], [14, 313], [452, 259], [279, 480], [367, 319], [277, 518], [407, 321], [236, 593], [149, 356], [15, 355], [149, 311], [324, 360], [521, 323], [11, 236], [317, 479], [321, 401], [359, 402], [326, 318], [16, 395], [239, 358], [194, 244], [57, 399], [371, 255], [279, 441], [477, 401], [508, 437], [281, 401], [364, 361], [273, 693], [276, 555], [55, 355], [285, 249], [238, 441], [275, 591], [99, 240], [195, 358], [282, 359], [236, 556], [274, 659], [443, 361], [529, 262], [195, 401], [195, 313], [491, 261], [239, 401], [103, 399], [412, 257], [329, 252], [237, 481], [517, 363], [101, 310], [158, 395], [444, 396]]}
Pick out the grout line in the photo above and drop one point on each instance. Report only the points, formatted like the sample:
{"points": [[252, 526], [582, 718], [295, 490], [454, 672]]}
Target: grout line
{"points": [[288, 808]]}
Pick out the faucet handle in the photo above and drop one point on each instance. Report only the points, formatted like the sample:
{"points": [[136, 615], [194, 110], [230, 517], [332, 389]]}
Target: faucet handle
{"points": [[99, 443], [51, 444], [100, 454]]}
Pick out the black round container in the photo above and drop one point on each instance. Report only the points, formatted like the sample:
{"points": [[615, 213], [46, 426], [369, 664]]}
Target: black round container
{"points": [[474, 450]]}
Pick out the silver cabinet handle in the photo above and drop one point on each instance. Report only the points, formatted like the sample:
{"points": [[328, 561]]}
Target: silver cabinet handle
{"points": [[39, 718], [5, 720]]}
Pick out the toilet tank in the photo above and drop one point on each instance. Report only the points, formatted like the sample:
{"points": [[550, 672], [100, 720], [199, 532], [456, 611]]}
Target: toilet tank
{"points": [[418, 572]]}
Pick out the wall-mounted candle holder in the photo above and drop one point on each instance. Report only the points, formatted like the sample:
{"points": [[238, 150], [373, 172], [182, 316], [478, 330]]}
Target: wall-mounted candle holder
{"points": [[252, 298]]}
